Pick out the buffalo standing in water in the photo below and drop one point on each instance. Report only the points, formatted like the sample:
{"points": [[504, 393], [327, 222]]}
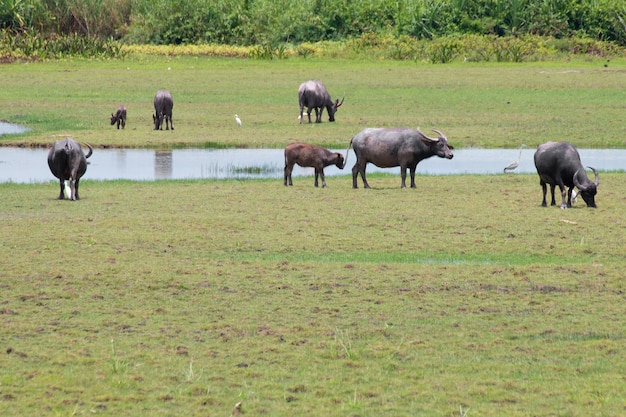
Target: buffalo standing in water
{"points": [[67, 162], [314, 95], [558, 163], [307, 155], [163, 105], [401, 147]]}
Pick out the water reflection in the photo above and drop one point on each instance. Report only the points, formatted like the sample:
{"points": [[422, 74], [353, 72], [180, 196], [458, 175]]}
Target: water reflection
{"points": [[25, 165], [163, 165]]}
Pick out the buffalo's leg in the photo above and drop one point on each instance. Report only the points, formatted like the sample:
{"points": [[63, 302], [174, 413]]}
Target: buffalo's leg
{"points": [[569, 197], [412, 170], [403, 176], [553, 201], [288, 169], [321, 171], [171, 122], [62, 184], [564, 204], [359, 169], [317, 173], [544, 188], [74, 187]]}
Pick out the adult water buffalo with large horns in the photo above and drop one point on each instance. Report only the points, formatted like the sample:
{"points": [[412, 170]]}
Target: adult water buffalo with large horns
{"points": [[307, 155], [558, 163], [313, 94], [402, 147], [68, 163]]}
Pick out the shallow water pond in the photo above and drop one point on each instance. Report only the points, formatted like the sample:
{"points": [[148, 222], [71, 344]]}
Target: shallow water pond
{"points": [[23, 165]]}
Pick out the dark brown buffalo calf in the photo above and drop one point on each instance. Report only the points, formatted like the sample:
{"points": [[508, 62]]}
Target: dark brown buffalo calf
{"points": [[310, 156], [119, 117]]}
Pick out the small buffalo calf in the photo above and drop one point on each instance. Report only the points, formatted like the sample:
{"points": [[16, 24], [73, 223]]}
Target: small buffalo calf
{"points": [[119, 117], [310, 156]]}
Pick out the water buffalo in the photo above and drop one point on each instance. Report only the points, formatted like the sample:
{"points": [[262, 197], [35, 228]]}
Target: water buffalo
{"points": [[314, 95], [163, 105], [68, 163], [402, 147], [558, 163], [119, 117], [310, 156]]}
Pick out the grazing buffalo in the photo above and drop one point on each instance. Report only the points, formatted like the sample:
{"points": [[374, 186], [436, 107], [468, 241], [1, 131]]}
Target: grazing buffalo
{"points": [[314, 95], [163, 105], [402, 147], [68, 163], [119, 117], [310, 156], [558, 163]]}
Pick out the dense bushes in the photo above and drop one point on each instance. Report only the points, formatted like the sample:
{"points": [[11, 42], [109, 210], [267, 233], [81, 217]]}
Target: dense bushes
{"points": [[249, 22], [507, 28]]}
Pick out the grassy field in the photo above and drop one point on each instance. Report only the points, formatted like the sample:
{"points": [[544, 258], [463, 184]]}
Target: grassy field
{"points": [[480, 105], [461, 298], [464, 297]]}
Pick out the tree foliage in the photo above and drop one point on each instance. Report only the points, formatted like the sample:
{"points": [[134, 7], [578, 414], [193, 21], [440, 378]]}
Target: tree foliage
{"points": [[253, 22]]}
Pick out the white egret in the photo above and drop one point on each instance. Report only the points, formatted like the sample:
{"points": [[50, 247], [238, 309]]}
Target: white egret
{"points": [[67, 190], [513, 165], [238, 120]]}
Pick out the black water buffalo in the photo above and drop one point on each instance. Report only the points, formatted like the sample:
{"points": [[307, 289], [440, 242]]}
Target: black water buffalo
{"points": [[68, 163], [314, 95], [310, 156], [163, 105], [558, 163], [402, 147], [119, 117]]}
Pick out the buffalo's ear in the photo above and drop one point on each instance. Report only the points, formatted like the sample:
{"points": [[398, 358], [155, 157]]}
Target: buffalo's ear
{"points": [[450, 146]]}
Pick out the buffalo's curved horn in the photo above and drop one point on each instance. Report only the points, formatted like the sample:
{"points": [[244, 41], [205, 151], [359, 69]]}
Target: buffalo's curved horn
{"points": [[440, 133], [90, 150], [595, 172], [578, 184], [337, 103], [426, 137]]}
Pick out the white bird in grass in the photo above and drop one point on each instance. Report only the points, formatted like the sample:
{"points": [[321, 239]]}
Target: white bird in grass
{"points": [[574, 196], [67, 190], [238, 120], [513, 165]]}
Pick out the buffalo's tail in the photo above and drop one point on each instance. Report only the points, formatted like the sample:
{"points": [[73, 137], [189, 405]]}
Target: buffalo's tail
{"points": [[90, 150], [345, 160]]}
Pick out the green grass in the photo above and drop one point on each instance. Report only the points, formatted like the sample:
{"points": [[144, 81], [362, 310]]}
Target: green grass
{"points": [[186, 297], [480, 105], [463, 297]]}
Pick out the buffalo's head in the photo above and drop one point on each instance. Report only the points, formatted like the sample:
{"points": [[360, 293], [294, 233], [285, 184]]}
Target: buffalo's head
{"points": [[333, 109], [441, 144], [113, 119], [340, 162], [588, 189]]}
